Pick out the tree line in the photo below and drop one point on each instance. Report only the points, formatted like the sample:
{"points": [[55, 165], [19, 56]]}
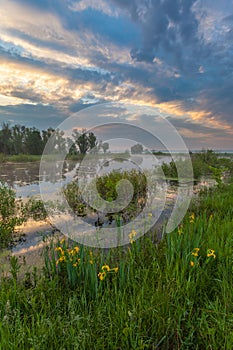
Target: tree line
{"points": [[19, 139]]}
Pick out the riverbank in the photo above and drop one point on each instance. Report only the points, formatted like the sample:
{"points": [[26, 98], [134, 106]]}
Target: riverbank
{"points": [[28, 158], [29, 241], [33, 235], [19, 158], [173, 295]]}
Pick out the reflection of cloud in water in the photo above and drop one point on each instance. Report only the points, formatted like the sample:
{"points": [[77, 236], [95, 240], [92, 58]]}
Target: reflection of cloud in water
{"points": [[24, 178]]}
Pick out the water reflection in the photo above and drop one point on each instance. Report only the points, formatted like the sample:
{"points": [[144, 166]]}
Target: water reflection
{"points": [[24, 177], [20, 174]]}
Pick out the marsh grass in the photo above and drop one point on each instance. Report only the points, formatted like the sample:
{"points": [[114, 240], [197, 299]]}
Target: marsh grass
{"points": [[173, 295]]}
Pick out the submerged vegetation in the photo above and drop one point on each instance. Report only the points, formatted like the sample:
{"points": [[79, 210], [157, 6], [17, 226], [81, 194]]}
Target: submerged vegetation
{"points": [[172, 294]]}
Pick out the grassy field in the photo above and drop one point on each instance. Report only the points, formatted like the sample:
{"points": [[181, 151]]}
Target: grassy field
{"points": [[176, 294]]}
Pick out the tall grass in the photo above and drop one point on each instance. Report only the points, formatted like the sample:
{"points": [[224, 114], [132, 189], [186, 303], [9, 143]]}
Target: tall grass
{"points": [[173, 295]]}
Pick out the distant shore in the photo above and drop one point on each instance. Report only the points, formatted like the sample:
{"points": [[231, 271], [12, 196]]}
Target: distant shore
{"points": [[24, 158]]}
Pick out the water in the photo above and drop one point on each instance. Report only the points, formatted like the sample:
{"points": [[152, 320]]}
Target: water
{"points": [[24, 177]]}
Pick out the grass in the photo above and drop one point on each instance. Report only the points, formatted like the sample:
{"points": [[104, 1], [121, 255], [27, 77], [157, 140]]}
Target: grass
{"points": [[24, 158], [19, 158], [173, 295]]}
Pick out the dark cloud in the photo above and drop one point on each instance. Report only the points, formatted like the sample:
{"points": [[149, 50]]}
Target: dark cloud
{"points": [[79, 105], [129, 132], [119, 30], [181, 52], [218, 101], [38, 115], [59, 44], [196, 128], [169, 29], [171, 33]]}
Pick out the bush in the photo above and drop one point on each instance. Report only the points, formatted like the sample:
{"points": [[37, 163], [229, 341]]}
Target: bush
{"points": [[35, 209], [107, 188], [204, 164], [9, 211]]}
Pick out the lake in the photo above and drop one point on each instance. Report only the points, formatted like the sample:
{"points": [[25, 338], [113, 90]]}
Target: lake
{"points": [[24, 177]]}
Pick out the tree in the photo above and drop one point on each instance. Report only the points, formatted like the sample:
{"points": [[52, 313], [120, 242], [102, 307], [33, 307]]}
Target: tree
{"points": [[138, 148], [60, 141], [81, 139], [5, 139], [17, 139], [92, 140], [84, 141], [71, 147], [46, 134], [105, 146], [33, 142]]}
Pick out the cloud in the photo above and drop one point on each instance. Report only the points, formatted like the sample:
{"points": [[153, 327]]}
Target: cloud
{"points": [[103, 6], [38, 115], [167, 27], [173, 54]]}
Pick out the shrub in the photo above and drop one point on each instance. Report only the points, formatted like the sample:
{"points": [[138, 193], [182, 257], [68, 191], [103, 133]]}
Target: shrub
{"points": [[35, 209], [9, 214], [107, 188]]}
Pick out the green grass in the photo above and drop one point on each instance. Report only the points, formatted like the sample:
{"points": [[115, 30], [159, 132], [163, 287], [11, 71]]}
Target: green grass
{"points": [[19, 158], [24, 158], [164, 296]]}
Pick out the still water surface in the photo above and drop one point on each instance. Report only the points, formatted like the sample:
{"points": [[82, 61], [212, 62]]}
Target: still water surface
{"points": [[24, 177]]}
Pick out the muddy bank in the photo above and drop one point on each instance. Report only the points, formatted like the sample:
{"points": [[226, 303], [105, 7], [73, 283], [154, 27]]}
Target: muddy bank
{"points": [[30, 239]]}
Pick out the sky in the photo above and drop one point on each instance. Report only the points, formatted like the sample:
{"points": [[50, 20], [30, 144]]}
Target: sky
{"points": [[58, 57]]}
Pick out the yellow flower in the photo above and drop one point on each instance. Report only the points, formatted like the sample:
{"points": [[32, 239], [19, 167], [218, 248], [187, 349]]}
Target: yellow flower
{"points": [[191, 218], [150, 214], [132, 234], [91, 261], [211, 216], [59, 249], [76, 263], [61, 259], [115, 269], [62, 241], [210, 252], [73, 251], [192, 263], [101, 275], [180, 229], [106, 268], [76, 250], [196, 251]]}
